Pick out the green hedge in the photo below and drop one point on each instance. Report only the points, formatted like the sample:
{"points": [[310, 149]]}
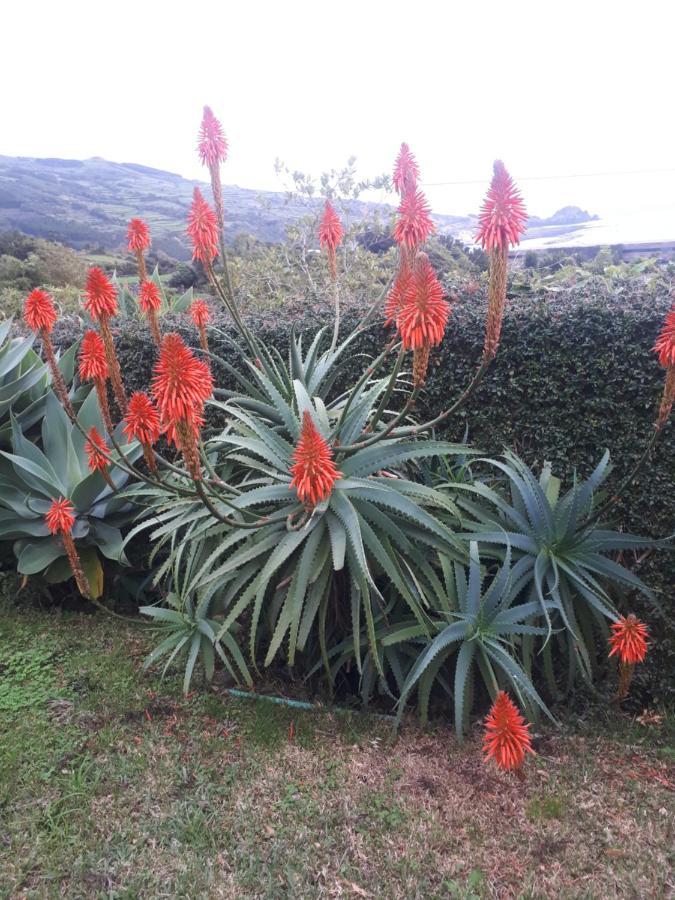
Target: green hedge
{"points": [[575, 374]]}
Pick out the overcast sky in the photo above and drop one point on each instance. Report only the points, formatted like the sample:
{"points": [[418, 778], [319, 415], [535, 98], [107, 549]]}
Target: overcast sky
{"points": [[551, 88]]}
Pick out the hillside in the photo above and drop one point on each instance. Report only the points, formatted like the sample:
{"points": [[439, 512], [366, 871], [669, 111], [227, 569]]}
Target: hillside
{"points": [[87, 203], [84, 203]]}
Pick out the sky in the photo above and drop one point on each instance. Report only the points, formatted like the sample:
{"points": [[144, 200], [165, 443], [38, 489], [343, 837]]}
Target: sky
{"points": [[553, 89]]}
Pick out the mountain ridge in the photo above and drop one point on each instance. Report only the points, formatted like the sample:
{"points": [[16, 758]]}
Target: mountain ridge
{"points": [[88, 203]]}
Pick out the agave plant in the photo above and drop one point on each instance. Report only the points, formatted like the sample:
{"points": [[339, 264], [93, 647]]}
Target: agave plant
{"points": [[30, 478], [24, 381], [562, 551]]}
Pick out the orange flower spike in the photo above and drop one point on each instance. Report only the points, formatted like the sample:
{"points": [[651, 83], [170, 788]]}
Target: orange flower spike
{"points": [[100, 295], [98, 454], [101, 304], [203, 230], [138, 236], [397, 295], [93, 366], [142, 424], [39, 313], [507, 738], [331, 234], [150, 302], [201, 315], [60, 518], [665, 347], [406, 171], [665, 342], [414, 224], [502, 219], [628, 641], [422, 316], [181, 386], [424, 313], [212, 146], [314, 472]]}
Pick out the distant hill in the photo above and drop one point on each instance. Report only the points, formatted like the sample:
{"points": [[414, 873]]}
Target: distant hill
{"points": [[87, 203]]}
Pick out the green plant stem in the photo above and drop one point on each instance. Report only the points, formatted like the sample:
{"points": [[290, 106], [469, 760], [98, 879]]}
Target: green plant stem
{"points": [[388, 392], [234, 523], [461, 400], [336, 326], [380, 435]]}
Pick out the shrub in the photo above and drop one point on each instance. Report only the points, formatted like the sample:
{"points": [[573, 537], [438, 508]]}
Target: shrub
{"points": [[310, 522]]}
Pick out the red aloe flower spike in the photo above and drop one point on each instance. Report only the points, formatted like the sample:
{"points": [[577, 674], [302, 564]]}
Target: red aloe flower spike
{"points": [[665, 347], [60, 518], [502, 221], [507, 738], [665, 342], [314, 472], [629, 641], [101, 304], [39, 314], [422, 317], [213, 151], [203, 230], [100, 295], [201, 315], [94, 367], [414, 224], [181, 385], [212, 141], [406, 171], [330, 235], [502, 218], [138, 235], [98, 453], [150, 301], [397, 294], [143, 425]]}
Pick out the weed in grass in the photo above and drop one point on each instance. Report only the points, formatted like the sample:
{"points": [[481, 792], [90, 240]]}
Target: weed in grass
{"points": [[27, 678], [546, 807]]}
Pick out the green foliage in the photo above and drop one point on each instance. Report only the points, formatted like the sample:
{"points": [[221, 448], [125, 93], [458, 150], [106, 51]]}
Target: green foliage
{"points": [[562, 551], [284, 568], [25, 380], [27, 678], [480, 631], [186, 629], [32, 477]]}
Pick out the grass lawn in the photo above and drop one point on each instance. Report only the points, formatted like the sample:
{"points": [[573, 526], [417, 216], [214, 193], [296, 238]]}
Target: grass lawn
{"points": [[114, 786]]}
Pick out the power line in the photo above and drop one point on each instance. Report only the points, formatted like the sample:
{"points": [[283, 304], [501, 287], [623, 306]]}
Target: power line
{"points": [[555, 177]]}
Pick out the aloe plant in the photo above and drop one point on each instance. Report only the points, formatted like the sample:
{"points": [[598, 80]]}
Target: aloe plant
{"points": [[296, 574], [31, 477], [475, 629], [25, 380], [562, 551], [481, 634], [185, 629]]}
